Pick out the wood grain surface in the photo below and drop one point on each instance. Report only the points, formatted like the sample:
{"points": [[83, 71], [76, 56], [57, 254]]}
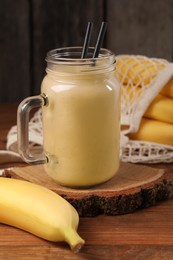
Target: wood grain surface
{"points": [[146, 234], [132, 188]]}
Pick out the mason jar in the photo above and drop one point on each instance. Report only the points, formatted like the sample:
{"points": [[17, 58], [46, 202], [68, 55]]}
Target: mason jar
{"points": [[80, 100]]}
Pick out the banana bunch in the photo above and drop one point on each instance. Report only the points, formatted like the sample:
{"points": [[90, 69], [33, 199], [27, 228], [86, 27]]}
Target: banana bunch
{"points": [[39, 211], [157, 122]]}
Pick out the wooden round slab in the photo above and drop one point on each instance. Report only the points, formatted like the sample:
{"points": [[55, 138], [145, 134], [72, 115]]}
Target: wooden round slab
{"points": [[133, 187]]}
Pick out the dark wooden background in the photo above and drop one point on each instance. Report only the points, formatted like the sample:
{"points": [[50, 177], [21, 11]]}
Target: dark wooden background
{"points": [[29, 28]]}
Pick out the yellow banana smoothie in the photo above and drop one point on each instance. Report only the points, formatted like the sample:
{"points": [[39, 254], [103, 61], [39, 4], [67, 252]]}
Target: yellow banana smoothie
{"points": [[81, 123]]}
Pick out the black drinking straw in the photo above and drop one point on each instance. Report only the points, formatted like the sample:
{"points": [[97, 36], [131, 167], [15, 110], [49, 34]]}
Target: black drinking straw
{"points": [[100, 39], [87, 40]]}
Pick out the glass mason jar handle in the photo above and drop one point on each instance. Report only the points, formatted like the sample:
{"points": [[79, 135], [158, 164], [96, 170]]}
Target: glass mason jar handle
{"points": [[23, 128]]}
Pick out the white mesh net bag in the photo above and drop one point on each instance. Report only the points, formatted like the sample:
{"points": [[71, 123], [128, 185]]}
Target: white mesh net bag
{"points": [[141, 79]]}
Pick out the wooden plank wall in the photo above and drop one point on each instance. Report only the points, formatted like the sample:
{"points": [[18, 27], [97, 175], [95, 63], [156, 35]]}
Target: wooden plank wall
{"points": [[29, 28]]}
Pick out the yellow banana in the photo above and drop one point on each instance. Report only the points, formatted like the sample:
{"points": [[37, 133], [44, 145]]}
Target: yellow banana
{"points": [[138, 69], [167, 90], [161, 108], [39, 211], [154, 131]]}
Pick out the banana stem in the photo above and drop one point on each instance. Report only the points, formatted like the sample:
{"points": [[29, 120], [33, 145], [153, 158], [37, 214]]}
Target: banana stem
{"points": [[74, 240]]}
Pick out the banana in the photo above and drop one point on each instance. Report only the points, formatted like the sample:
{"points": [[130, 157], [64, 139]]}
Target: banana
{"points": [[161, 108], [154, 131], [39, 211], [138, 69], [134, 72], [167, 90]]}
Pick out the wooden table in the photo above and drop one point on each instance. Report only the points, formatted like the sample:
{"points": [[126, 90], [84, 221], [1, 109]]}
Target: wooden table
{"points": [[145, 234]]}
